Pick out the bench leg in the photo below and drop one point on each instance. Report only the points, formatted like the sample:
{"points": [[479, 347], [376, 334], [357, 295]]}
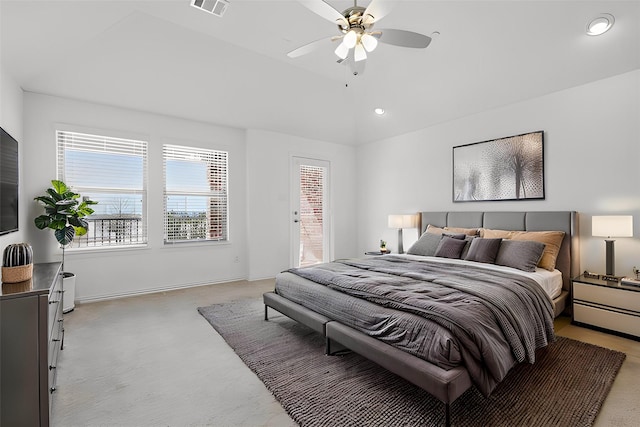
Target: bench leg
{"points": [[447, 415], [266, 313]]}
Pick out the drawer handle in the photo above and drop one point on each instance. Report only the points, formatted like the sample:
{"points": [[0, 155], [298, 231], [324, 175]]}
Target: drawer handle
{"points": [[55, 340], [53, 302], [60, 320]]}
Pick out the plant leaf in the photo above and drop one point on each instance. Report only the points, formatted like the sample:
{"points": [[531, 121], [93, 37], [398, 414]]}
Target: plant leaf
{"points": [[59, 186], [42, 221], [45, 200], [65, 235], [58, 224], [66, 202], [80, 231], [55, 195]]}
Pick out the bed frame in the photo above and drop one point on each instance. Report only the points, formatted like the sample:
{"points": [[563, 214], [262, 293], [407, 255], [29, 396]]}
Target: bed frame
{"points": [[444, 385]]}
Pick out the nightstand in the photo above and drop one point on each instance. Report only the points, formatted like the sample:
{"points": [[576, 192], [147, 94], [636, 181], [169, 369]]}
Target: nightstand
{"points": [[606, 305], [374, 253]]}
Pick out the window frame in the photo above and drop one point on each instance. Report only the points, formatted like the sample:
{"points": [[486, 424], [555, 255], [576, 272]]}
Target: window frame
{"points": [[138, 143], [187, 149]]}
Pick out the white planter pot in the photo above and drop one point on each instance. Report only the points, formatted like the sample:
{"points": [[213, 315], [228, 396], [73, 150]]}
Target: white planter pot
{"points": [[69, 295]]}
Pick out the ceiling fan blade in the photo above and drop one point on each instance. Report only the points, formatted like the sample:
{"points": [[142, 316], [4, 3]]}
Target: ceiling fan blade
{"points": [[377, 10], [325, 10], [402, 38], [310, 47]]}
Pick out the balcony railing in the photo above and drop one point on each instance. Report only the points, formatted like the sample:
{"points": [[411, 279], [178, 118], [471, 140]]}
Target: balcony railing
{"points": [[112, 230]]}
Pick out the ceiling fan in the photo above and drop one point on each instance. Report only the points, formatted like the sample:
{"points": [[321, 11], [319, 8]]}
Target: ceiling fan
{"points": [[357, 35]]}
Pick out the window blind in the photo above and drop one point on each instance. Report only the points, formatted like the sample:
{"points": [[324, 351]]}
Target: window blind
{"points": [[112, 172], [195, 199]]}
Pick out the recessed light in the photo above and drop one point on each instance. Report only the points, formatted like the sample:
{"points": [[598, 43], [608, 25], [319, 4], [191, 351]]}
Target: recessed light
{"points": [[379, 111], [600, 24]]}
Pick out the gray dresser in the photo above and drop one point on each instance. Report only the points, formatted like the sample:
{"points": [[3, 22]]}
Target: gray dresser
{"points": [[31, 336]]}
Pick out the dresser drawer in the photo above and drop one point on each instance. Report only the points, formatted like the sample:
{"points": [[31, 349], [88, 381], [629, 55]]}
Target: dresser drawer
{"points": [[55, 306], [608, 296], [607, 319]]}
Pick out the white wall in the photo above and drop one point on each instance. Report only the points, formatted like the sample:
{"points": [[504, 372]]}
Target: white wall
{"points": [[268, 167], [592, 158], [108, 272], [11, 120]]}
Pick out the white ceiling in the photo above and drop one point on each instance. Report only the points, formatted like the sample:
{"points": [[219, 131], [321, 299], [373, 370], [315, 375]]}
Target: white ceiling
{"points": [[166, 57]]}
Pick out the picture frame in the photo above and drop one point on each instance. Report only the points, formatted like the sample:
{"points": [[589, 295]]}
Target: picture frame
{"points": [[509, 168]]}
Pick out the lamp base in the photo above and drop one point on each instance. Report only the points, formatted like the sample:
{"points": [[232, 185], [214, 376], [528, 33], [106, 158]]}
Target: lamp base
{"points": [[400, 248], [610, 257]]}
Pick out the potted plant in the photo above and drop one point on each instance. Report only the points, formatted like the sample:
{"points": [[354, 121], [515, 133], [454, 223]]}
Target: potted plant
{"points": [[64, 213]]}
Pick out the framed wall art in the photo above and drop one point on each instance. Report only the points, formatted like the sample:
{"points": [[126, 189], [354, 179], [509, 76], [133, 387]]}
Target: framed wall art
{"points": [[510, 168]]}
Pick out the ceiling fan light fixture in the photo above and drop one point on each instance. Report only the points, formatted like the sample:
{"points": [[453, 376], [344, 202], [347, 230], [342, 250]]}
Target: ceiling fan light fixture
{"points": [[359, 54], [350, 39], [600, 24], [342, 51], [369, 42]]}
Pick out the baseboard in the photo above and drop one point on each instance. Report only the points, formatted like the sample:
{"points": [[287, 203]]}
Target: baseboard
{"points": [[156, 290]]}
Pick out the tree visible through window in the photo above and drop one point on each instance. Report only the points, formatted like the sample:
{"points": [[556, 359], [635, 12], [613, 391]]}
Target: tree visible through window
{"points": [[112, 172], [195, 201]]}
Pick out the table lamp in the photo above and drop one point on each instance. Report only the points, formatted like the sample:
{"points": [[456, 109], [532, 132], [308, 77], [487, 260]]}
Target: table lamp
{"points": [[611, 226], [400, 222]]}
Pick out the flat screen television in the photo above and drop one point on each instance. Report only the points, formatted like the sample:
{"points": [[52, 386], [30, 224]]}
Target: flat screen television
{"points": [[8, 183]]}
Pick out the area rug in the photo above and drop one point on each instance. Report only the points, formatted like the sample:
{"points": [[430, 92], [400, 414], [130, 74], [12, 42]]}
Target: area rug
{"points": [[565, 387]]}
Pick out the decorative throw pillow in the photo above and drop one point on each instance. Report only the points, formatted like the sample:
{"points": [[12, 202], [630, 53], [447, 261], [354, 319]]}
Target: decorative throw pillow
{"points": [[467, 231], [434, 230], [426, 245], [459, 236], [521, 254], [452, 230], [483, 250], [450, 248], [552, 241], [495, 234], [465, 250]]}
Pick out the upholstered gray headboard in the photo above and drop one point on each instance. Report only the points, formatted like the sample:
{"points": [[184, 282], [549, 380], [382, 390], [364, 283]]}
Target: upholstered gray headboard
{"points": [[568, 261]]}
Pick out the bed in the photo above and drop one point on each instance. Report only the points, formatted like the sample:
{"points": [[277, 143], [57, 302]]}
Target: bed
{"points": [[400, 311]]}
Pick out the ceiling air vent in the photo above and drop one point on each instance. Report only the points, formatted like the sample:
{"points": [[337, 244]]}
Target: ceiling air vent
{"points": [[215, 7]]}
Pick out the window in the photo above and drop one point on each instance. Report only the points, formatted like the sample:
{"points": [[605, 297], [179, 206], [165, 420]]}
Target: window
{"points": [[195, 199], [112, 172]]}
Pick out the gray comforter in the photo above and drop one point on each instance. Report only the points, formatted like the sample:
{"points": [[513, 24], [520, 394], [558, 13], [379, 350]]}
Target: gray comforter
{"points": [[496, 318]]}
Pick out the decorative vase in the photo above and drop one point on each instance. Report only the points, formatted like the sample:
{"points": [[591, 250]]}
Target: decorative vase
{"points": [[17, 263]]}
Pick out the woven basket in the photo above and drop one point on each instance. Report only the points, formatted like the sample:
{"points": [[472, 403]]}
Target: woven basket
{"points": [[17, 274], [18, 287]]}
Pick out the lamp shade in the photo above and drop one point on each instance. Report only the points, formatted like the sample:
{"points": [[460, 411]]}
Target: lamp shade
{"points": [[612, 226], [403, 221]]}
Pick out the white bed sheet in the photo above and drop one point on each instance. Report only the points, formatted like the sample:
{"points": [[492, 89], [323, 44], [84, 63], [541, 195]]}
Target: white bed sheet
{"points": [[550, 281]]}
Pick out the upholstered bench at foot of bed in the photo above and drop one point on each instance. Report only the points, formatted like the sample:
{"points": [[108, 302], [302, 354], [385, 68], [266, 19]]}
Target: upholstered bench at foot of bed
{"points": [[295, 311], [444, 385]]}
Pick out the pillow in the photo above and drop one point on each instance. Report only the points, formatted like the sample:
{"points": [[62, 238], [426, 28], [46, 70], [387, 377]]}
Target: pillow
{"points": [[521, 254], [465, 250], [483, 250], [435, 230], [426, 245], [450, 248], [453, 230], [467, 231], [552, 241], [459, 236], [495, 234]]}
